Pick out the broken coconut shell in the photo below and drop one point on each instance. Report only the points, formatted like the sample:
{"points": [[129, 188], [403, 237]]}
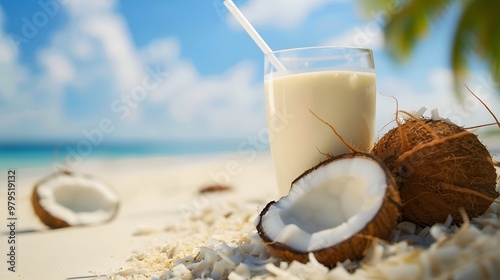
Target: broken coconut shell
{"points": [[66, 199], [440, 168], [334, 211]]}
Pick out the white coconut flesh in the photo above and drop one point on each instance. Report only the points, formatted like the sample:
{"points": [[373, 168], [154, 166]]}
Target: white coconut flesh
{"points": [[77, 200], [328, 205]]}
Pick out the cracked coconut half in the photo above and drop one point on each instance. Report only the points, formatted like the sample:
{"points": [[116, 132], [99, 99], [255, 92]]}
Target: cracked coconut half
{"points": [[334, 211], [67, 199]]}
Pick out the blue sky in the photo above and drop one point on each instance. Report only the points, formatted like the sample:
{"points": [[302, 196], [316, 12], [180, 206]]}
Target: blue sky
{"points": [[159, 70]]}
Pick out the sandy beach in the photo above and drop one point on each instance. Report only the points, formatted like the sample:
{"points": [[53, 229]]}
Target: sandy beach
{"points": [[155, 194]]}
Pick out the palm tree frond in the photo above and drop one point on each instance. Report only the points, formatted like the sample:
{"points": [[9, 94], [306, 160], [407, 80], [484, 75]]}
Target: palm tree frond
{"points": [[476, 33], [408, 22]]}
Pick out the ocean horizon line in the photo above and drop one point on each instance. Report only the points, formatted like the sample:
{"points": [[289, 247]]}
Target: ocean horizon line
{"points": [[42, 153]]}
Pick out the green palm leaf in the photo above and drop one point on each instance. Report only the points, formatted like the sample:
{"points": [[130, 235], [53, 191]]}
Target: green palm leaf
{"points": [[477, 32]]}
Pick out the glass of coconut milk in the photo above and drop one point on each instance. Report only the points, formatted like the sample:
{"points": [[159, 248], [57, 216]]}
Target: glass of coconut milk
{"points": [[338, 85]]}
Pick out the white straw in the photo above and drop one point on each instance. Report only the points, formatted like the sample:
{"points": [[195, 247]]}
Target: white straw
{"points": [[253, 33]]}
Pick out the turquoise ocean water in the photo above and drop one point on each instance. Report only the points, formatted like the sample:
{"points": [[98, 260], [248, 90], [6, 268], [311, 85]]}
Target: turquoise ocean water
{"points": [[28, 155], [43, 154]]}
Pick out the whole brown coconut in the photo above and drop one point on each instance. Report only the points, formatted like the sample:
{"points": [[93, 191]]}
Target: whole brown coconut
{"points": [[440, 168]]}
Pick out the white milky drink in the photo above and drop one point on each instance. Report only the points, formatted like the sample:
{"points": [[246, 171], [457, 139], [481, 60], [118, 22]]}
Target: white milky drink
{"points": [[298, 140]]}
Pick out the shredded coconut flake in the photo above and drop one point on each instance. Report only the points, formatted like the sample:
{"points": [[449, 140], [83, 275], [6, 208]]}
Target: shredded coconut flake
{"points": [[434, 115], [222, 243]]}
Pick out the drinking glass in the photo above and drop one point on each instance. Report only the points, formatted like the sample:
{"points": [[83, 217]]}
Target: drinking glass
{"points": [[338, 85]]}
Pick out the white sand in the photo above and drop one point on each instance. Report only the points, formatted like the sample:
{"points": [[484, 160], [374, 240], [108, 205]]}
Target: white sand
{"points": [[154, 192]]}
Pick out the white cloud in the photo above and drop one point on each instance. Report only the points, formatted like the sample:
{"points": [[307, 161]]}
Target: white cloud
{"points": [[471, 111], [111, 31], [441, 80], [58, 67], [86, 7], [369, 35], [279, 13], [440, 95], [94, 51], [207, 106], [164, 50], [94, 44]]}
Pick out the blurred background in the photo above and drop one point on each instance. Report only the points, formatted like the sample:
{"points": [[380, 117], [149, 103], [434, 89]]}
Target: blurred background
{"points": [[82, 78]]}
